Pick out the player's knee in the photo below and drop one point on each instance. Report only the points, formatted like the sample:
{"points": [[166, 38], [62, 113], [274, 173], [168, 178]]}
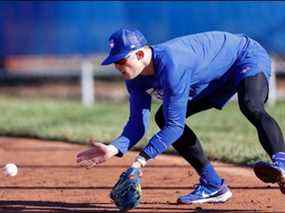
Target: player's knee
{"points": [[159, 119], [250, 108]]}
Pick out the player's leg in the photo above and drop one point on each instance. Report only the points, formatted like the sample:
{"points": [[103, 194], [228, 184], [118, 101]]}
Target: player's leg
{"points": [[252, 94], [211, 187], [188, 145]]}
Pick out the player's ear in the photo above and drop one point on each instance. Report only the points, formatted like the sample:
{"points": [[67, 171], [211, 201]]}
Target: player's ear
{"points": [[140, 54]]}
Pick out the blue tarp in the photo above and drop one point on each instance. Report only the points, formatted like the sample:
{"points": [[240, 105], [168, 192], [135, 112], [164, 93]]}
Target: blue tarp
{"points": [[83, 27]]}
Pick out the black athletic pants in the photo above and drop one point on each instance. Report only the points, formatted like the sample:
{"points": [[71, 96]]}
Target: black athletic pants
{"points": [[252, 94]]}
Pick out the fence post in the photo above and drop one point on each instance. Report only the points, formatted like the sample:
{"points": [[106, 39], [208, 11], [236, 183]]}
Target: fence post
{"points": [[87, 84]]}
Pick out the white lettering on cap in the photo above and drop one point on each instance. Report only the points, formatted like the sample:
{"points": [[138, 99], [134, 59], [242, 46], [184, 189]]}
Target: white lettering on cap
{"points": [[133, 40], [111, 43]]}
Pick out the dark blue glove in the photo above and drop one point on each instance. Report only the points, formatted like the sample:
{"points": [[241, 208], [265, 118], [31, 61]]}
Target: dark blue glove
{"points": [[126, 193]]}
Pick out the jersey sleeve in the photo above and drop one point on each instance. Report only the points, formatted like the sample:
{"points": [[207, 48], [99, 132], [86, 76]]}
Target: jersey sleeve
{"points": [[137, 125], [176, 84]]}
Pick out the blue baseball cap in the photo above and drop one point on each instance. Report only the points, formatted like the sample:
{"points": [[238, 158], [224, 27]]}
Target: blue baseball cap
{"points": [[122, 42]]}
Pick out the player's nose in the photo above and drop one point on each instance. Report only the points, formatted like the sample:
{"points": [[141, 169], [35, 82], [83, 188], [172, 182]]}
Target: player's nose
{"points": [[120, 69]]}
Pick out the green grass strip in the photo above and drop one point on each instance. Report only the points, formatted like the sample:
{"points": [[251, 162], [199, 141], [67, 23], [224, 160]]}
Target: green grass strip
{"points": [[226, 135]]}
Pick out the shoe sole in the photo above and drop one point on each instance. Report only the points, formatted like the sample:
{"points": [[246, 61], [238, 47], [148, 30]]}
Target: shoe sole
{"points": [[269, 174], [219, 199]]}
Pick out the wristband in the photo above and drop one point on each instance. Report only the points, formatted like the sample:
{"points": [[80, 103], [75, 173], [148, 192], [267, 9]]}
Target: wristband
{"points": [[113, 149], [141, 160]]}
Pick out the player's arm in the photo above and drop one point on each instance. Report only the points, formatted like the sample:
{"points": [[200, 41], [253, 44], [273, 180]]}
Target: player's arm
{"points": [[176, 92], [134, 130], [137, 125]]}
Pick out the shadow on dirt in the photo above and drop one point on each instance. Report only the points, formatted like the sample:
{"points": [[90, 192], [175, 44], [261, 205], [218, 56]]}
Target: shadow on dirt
{"points": [[47, 206]]}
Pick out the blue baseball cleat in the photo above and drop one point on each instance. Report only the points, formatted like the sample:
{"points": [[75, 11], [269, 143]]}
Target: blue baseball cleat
{"points": [[206, 193], [272, 172]]}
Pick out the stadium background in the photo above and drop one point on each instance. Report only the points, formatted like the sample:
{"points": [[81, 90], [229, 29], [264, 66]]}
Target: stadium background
{"points": [[51, 39], [62, 27]]}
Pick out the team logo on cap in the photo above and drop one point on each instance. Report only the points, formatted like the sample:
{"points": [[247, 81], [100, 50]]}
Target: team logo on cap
{"points": [[111, 43]]}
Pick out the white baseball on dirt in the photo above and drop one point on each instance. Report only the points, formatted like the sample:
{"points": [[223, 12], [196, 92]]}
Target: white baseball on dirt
{"points": [[10, 169]]}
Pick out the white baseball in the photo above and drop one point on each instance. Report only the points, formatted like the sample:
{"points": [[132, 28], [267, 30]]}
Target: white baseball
{"points": [[10, 169]]}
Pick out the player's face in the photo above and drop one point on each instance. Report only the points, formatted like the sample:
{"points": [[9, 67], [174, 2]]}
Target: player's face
{"points": [[130, 67]]}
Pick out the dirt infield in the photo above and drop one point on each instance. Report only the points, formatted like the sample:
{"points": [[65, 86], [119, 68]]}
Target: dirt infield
{"points": [[50, 181]]}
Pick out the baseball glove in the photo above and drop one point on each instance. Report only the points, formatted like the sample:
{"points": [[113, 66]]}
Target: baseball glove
{"points": [[126, 193]]}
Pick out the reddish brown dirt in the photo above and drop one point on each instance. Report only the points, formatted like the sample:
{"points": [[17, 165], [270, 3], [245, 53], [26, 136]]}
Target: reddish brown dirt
{"points": [[50, 181]]}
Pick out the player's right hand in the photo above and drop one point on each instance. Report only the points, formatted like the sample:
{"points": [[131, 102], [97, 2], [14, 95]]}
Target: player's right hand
{"points": [[95, 155]]}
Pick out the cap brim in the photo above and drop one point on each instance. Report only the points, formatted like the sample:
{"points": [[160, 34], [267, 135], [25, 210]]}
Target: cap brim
{"points": [[113, 58]]}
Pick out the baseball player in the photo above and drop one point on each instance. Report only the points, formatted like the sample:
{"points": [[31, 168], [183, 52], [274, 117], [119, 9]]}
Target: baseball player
{"points": [[191, 74]]}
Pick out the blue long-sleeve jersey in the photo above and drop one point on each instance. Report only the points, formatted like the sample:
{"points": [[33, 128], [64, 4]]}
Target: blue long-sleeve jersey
{"points": [[186, 69]]}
